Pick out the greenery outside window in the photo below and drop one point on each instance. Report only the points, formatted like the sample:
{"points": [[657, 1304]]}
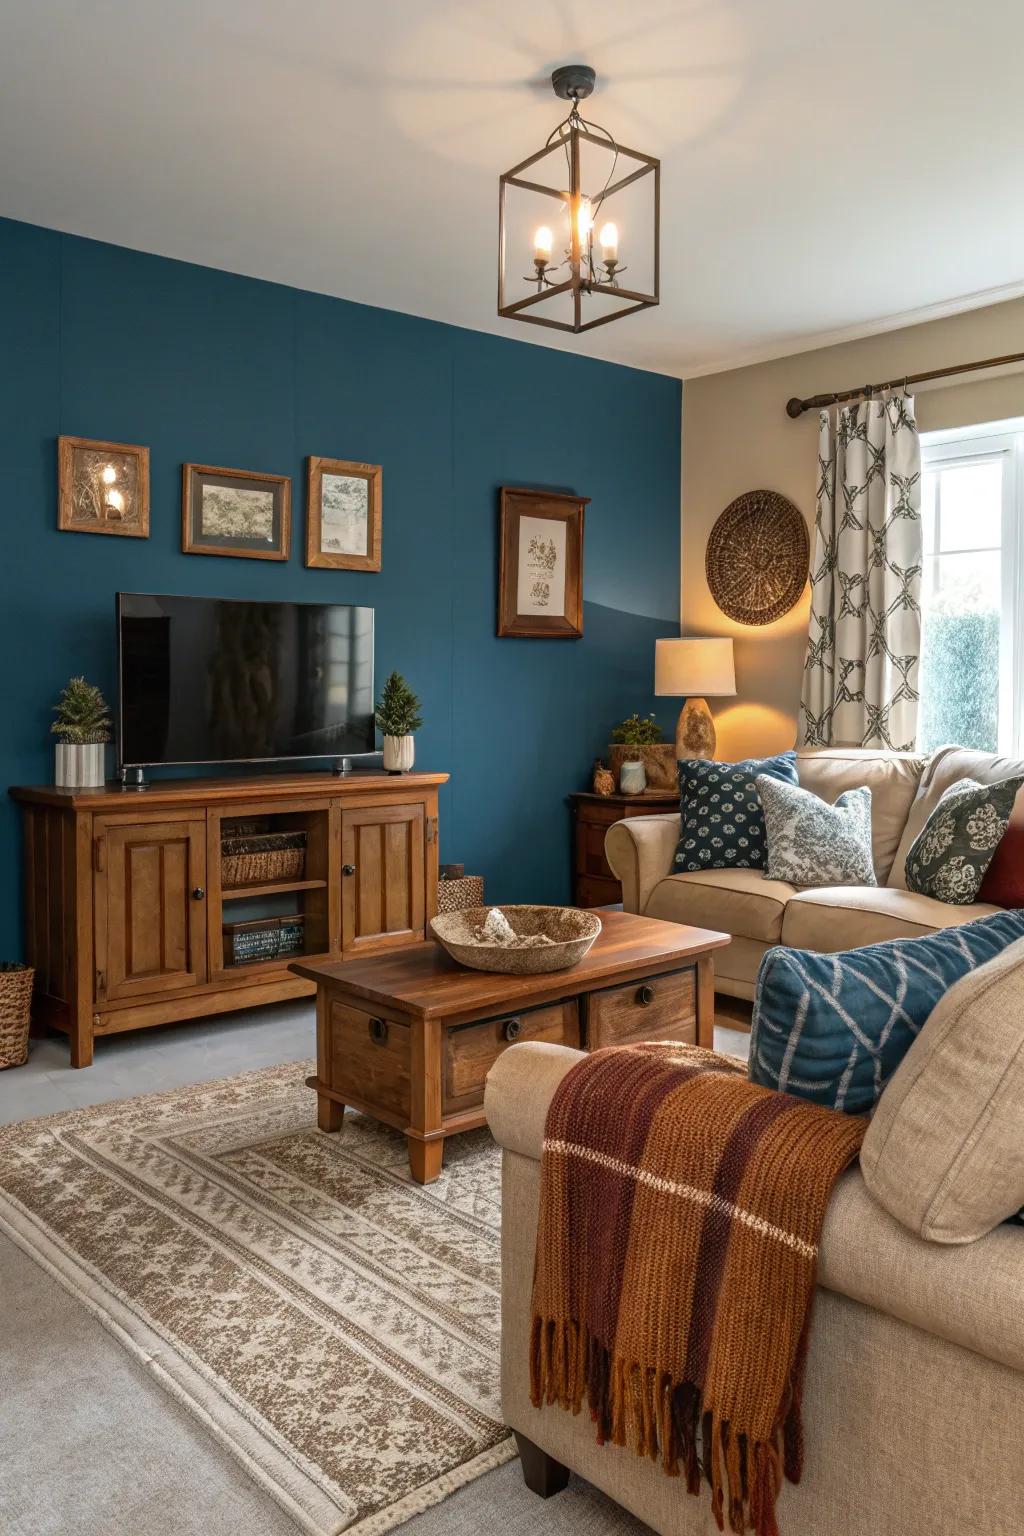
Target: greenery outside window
{"points": [[972, 601]]}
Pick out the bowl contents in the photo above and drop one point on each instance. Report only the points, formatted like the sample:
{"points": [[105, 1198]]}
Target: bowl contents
{"points": [[496, 929]]}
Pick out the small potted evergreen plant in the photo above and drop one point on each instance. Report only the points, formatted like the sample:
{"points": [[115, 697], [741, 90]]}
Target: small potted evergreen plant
{"points": [[397, 718], [82, 728]]}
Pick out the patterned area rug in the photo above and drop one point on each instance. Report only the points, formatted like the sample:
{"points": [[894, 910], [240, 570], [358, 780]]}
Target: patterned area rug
{"points": [[336, 1325]]}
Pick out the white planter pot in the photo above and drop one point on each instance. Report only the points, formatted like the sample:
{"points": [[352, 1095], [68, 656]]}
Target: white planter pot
{"points": [[80, 767], [399, 753]]}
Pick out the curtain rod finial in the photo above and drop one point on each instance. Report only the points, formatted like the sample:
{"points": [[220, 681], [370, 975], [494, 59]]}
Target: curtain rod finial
{"points": [[794, 408]]}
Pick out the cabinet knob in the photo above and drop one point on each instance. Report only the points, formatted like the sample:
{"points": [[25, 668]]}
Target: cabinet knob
{"points": [[513, 1029], [348, 869], [645, 995], [378, 1030], [198, 893]]}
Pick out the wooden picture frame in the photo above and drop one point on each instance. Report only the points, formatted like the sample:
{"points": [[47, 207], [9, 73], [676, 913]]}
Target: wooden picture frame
{"points": [[540, 577], [102, 487], [353, 519], [240, 520]]}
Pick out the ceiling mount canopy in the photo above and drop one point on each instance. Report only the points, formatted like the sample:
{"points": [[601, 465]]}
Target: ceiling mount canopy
{"points": [[564, 219]]}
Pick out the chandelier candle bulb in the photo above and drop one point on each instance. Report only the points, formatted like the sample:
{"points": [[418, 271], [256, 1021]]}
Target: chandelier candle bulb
{"points": [[542, 243], [610, 242]]}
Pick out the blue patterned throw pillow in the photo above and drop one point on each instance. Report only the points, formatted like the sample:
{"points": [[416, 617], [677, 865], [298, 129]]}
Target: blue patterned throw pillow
{"points": [[834, 1028], [722, 819]]}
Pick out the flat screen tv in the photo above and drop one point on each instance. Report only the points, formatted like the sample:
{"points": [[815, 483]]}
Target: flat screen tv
{"points": [[223, 680]]}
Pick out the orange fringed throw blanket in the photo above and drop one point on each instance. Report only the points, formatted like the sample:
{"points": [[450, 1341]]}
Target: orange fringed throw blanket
{"points": [[681, 1207]]}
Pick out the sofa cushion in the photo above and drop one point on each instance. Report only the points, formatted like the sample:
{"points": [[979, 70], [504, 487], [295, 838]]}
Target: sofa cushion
{"points": [[946, 767], [955, 846], [813, 843], [737, 901], [1004, 879], [722, 821], [846, 916], [892, 777], [834, 1028], [944, 1153]]}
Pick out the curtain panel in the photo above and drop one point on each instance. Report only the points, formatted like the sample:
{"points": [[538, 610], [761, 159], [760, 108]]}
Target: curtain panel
{"points": [[860, 683]]}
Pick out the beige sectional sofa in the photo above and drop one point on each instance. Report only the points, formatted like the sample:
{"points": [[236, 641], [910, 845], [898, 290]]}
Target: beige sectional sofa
{"points": [[759, 912]]}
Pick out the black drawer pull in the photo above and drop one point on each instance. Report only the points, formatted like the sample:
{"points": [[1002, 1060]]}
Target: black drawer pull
{"points": [[645, 995], [513, 1029], [348, 869], [378, 1031]]}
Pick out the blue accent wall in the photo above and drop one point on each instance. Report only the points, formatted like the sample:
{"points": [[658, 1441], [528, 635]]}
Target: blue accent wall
{"points": [[206, 366]]}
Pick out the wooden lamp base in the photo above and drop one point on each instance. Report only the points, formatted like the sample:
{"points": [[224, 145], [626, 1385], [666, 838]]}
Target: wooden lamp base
{"points": [[695, 730]]}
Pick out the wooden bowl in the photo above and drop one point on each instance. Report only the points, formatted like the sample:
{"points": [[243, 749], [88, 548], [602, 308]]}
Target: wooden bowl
{"points": [[570, 931]]}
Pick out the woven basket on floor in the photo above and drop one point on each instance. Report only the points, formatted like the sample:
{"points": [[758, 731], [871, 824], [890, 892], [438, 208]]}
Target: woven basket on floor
{"points": [[15, 1012], [457, 895]]}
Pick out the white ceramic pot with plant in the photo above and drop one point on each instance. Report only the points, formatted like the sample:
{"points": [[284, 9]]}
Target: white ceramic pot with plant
{"points": [[82, 727], [397, 719]]}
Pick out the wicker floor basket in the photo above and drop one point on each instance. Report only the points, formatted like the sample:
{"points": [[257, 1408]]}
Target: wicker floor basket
{"points": [[15, 1012], [456, 895], [262, 859]]}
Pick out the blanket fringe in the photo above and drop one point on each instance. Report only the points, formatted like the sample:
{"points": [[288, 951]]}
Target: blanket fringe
{"points": [[669, 1422]]}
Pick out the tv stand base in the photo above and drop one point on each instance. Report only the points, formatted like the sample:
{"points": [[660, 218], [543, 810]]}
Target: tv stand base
{"points": [[134, 778]]}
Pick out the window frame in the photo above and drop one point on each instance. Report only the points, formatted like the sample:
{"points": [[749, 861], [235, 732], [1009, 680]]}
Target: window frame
{"points": [[1002, 441]]}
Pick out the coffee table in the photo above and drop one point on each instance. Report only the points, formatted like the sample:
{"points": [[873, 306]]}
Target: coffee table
{"points": [[409, 1036]]}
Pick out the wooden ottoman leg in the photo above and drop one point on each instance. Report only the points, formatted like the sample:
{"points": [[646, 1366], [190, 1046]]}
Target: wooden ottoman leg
{"points": [[542, 1474], [329, 1113]]}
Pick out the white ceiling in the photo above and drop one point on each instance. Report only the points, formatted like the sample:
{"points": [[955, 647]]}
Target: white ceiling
{"points": [[827, 168]]}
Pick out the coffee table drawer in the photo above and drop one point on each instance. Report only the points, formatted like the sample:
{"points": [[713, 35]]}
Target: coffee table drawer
{"points": [[660, 1008], [470, 1050], [370, 1060]]}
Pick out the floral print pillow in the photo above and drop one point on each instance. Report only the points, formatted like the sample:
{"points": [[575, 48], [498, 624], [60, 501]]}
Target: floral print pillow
{"points": [[812, 843], [956, 845]]}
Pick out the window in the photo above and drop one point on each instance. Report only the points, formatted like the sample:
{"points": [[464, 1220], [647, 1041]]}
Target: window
{"points": [[972, 600]]}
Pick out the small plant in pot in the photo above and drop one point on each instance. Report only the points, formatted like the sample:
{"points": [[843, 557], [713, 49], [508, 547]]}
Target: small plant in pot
{"points": [[82, 728], [639, 758], [397, 718]]}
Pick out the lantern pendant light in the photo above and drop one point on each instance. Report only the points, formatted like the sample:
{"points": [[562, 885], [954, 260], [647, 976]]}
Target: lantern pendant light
{"points": [[577, 244]]}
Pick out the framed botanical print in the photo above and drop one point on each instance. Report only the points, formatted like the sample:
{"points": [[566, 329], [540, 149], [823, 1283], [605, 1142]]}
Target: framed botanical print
{"points": [[343, 514], [102, 487], [235, 512], [540, 580]]}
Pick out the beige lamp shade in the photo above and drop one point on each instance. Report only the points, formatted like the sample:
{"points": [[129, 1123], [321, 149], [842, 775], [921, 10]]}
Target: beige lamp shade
{"points": [[694, 668]]}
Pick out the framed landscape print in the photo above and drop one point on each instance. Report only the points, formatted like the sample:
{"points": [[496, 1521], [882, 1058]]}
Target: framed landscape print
{"points": [[540, 580], [102, 487], [343, 514], [235, 512]]}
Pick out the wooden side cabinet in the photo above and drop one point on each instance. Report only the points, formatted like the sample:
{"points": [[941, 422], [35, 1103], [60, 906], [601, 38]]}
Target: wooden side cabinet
{"points": [[126, 907], [594, 885]]}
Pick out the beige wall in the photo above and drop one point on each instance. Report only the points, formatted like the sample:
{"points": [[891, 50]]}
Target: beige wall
{"points": [[737, 437]]}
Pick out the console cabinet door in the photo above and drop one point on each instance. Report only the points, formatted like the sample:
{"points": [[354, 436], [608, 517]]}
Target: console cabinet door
{"points": [[384, 875], [150, 904]]}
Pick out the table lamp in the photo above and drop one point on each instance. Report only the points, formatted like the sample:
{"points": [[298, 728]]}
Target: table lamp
{"points": [[693, 669]]}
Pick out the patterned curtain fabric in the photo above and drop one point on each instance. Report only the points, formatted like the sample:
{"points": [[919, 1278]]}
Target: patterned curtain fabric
{"points": [[864, 643]]}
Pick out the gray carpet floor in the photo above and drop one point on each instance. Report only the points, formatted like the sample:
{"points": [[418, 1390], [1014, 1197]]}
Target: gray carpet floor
{"points": [[90, 1445]]}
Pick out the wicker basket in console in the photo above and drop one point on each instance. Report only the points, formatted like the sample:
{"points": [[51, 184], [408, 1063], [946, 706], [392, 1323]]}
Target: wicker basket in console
{"points": [[262, 858]]}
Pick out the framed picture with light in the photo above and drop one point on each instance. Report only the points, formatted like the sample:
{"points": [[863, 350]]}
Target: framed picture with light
{"points": [[540, 578], [235, 512], [102, 487], [343, 514]]}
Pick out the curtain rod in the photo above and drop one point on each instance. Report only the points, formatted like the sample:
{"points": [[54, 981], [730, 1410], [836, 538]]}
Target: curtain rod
{"points": [[795, 407]]}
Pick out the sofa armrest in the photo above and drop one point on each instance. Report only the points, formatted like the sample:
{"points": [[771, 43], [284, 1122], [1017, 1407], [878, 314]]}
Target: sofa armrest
{"points": [[972, 1295], [519, 1089], [640, 851]]}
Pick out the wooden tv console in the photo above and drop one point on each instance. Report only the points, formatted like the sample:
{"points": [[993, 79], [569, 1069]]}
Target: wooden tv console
{"points": [[124, 905]]}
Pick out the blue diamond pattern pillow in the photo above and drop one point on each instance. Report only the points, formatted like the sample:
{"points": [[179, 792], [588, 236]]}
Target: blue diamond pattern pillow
{"points": [[722, 819], [834, 1028]]}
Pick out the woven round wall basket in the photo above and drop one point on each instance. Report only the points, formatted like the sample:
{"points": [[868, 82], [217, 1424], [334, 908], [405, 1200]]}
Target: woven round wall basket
{"points": [[757, 557]]}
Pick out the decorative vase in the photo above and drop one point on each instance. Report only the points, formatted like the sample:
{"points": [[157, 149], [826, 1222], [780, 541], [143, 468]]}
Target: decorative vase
{"points": [[79, 767], [399, 753], [603, 780], [633, 777]]}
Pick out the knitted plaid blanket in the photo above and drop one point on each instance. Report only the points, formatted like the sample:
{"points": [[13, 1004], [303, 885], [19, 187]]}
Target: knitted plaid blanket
{"points": [[681, 1208]]}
